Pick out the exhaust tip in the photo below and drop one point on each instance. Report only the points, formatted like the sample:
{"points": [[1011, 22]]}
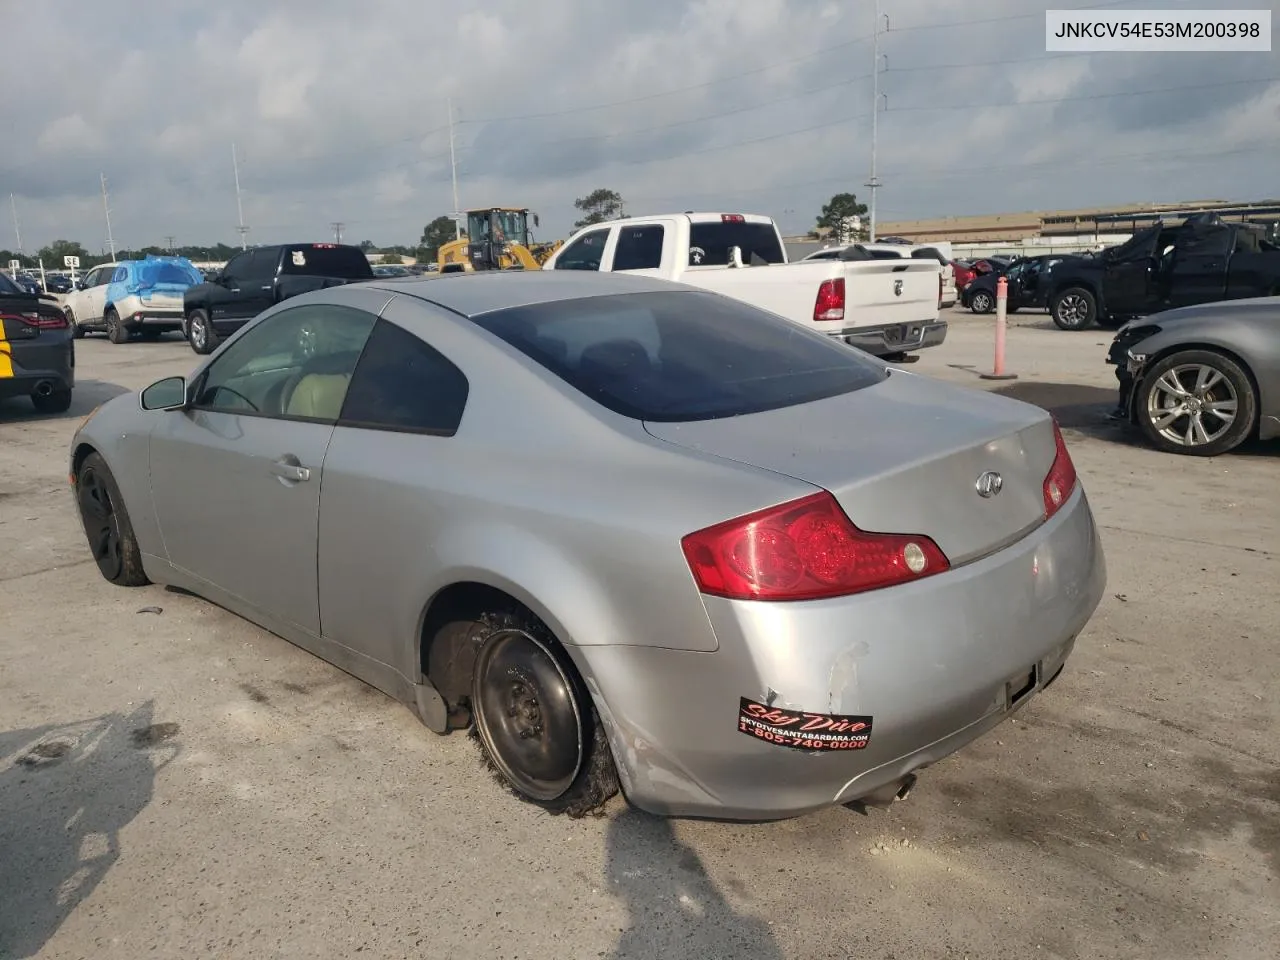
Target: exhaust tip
{"points": [[44, 388]]}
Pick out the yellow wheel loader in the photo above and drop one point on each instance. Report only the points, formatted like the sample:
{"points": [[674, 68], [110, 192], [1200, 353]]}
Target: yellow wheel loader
{"points": [[497, 238]]}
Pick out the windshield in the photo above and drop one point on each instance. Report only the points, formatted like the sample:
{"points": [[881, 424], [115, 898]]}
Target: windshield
{"points": [[681, 356], [8, 286], [709, 243], [511, 225]]}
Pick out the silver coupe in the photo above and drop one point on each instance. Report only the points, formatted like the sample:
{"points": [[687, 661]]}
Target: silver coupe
{"points": [[634, 535]]}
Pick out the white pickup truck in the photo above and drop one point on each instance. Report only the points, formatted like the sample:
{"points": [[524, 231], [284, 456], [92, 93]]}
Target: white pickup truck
{"points": [[885, 307]]}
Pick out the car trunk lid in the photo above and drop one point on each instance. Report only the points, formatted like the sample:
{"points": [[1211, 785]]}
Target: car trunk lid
{"points": [[903, 456]]}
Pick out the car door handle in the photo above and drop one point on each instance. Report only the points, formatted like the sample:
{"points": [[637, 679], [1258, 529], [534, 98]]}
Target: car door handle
{"points": [[266, 286], [288, 467], [235, 289]]}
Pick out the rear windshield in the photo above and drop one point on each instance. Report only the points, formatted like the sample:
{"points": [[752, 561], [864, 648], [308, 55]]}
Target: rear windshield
{"points": [[327, 260], [681, 356], [709, 244], [8, 286]]}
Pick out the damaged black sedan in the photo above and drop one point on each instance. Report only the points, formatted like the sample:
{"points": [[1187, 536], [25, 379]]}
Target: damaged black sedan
{"points": [[1201, 380]]}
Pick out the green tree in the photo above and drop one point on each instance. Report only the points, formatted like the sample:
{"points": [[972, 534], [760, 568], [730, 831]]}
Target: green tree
{"points": [[367, 246], [435, 234], [839, 207], [598, 206], [390, 256], [52, 254]]}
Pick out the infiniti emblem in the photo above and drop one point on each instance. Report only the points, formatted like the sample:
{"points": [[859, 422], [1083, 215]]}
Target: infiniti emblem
{"points": [[897, 288], [988, 484]]}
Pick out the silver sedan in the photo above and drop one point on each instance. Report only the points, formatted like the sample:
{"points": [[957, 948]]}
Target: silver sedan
{"points": [[634, 535]]}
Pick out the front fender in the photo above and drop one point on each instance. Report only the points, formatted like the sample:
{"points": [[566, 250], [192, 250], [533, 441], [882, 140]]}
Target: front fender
{"points": [[120, 432]]}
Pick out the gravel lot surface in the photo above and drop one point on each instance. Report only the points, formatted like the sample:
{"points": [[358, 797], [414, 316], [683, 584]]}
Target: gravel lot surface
{"points": [[180, 783]]}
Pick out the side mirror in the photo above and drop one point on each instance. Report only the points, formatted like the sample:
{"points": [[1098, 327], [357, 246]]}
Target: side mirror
{"points": [[536, 221], [167, 394]]}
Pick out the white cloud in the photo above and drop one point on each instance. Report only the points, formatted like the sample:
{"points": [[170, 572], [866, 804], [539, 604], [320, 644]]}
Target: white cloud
{"points": [[338, 113]]}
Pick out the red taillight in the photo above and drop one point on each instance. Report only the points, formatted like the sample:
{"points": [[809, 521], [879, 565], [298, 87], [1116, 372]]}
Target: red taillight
{"points": [[324, 246], [830, 302], [804, 550], [40, 323], [55, 322], [1061, 480], [732, 218]]}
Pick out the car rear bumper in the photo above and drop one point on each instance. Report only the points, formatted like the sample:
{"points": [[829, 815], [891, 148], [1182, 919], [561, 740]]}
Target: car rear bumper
{"points": [[895, 337], [27, 365], [928, 666]]}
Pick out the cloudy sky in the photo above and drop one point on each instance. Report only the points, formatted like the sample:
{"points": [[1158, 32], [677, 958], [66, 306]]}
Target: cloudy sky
{"points": [[338, 112]]}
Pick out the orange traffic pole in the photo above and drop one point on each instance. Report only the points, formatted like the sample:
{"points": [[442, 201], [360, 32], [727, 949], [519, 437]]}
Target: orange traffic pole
{"points": [[1002, 304]]}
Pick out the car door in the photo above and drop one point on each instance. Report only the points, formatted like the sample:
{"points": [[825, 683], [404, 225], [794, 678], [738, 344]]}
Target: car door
{"points": [[236, 476], [256, 291], [585, 253], [391, 468], [224, 293], [1130, 278], [1198, 272], [643, 249], [94, 298]]}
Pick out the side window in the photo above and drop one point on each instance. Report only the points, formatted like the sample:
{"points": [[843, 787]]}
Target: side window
{"points": [[120, 275], [639, 248], [1213, 242], [296, 364], [237, 267], [102, 277], [262, 264], [585, 252], [403, 384]]}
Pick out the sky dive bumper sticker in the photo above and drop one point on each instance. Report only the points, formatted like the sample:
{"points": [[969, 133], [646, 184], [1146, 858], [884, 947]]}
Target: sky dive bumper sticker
{"points": [[803, 731]]}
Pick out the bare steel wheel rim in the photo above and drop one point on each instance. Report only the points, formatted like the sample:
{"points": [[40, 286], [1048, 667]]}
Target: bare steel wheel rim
{"points": [[1073, 309], [527, 715], [1192, 404], [197, 330]]}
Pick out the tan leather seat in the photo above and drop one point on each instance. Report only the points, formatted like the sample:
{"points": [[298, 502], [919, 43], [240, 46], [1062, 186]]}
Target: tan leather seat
{"points": [[318, 395]]}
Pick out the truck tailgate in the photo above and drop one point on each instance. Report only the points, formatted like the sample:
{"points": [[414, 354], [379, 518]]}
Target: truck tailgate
{"points": [[880, 292]]}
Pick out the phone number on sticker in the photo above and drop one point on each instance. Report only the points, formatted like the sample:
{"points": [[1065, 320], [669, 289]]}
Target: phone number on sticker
{"points": [[787, 740]]}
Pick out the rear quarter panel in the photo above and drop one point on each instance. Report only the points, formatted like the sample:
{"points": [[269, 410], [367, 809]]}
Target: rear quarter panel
{"points": [[571, 509]]}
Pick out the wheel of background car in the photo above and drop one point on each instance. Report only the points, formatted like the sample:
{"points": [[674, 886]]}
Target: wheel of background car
{"points": [[1074, 309], [106, 524], [116, 331], [1196, 402], [533, 719], [200, 333], [982, 302], [77, 331], [57, 402]]}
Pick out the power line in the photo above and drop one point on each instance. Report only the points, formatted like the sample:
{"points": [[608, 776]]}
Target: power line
{"points": [[1002, 19]]}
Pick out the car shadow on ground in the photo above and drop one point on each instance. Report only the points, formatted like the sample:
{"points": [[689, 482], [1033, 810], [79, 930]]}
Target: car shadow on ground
{"points": [[67, 790], [676, 912], [86, 395]]}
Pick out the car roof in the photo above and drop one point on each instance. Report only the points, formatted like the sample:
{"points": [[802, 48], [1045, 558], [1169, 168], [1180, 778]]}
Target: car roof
{"points": [[473, 294]]}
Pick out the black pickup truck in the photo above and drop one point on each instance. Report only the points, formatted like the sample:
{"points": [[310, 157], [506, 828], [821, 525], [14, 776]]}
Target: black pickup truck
{"points": [[1201, 260], [260, 278]]}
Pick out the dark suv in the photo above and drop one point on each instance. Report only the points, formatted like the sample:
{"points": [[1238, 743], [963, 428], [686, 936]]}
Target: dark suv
{"points": [[260, 278]]}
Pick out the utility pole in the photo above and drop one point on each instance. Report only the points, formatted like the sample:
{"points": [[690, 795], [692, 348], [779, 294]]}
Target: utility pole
{"points": [[453, 166], [337, 230], [17, 231], [106, 212], [169, 242], [874, 181], [240, 227]]}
